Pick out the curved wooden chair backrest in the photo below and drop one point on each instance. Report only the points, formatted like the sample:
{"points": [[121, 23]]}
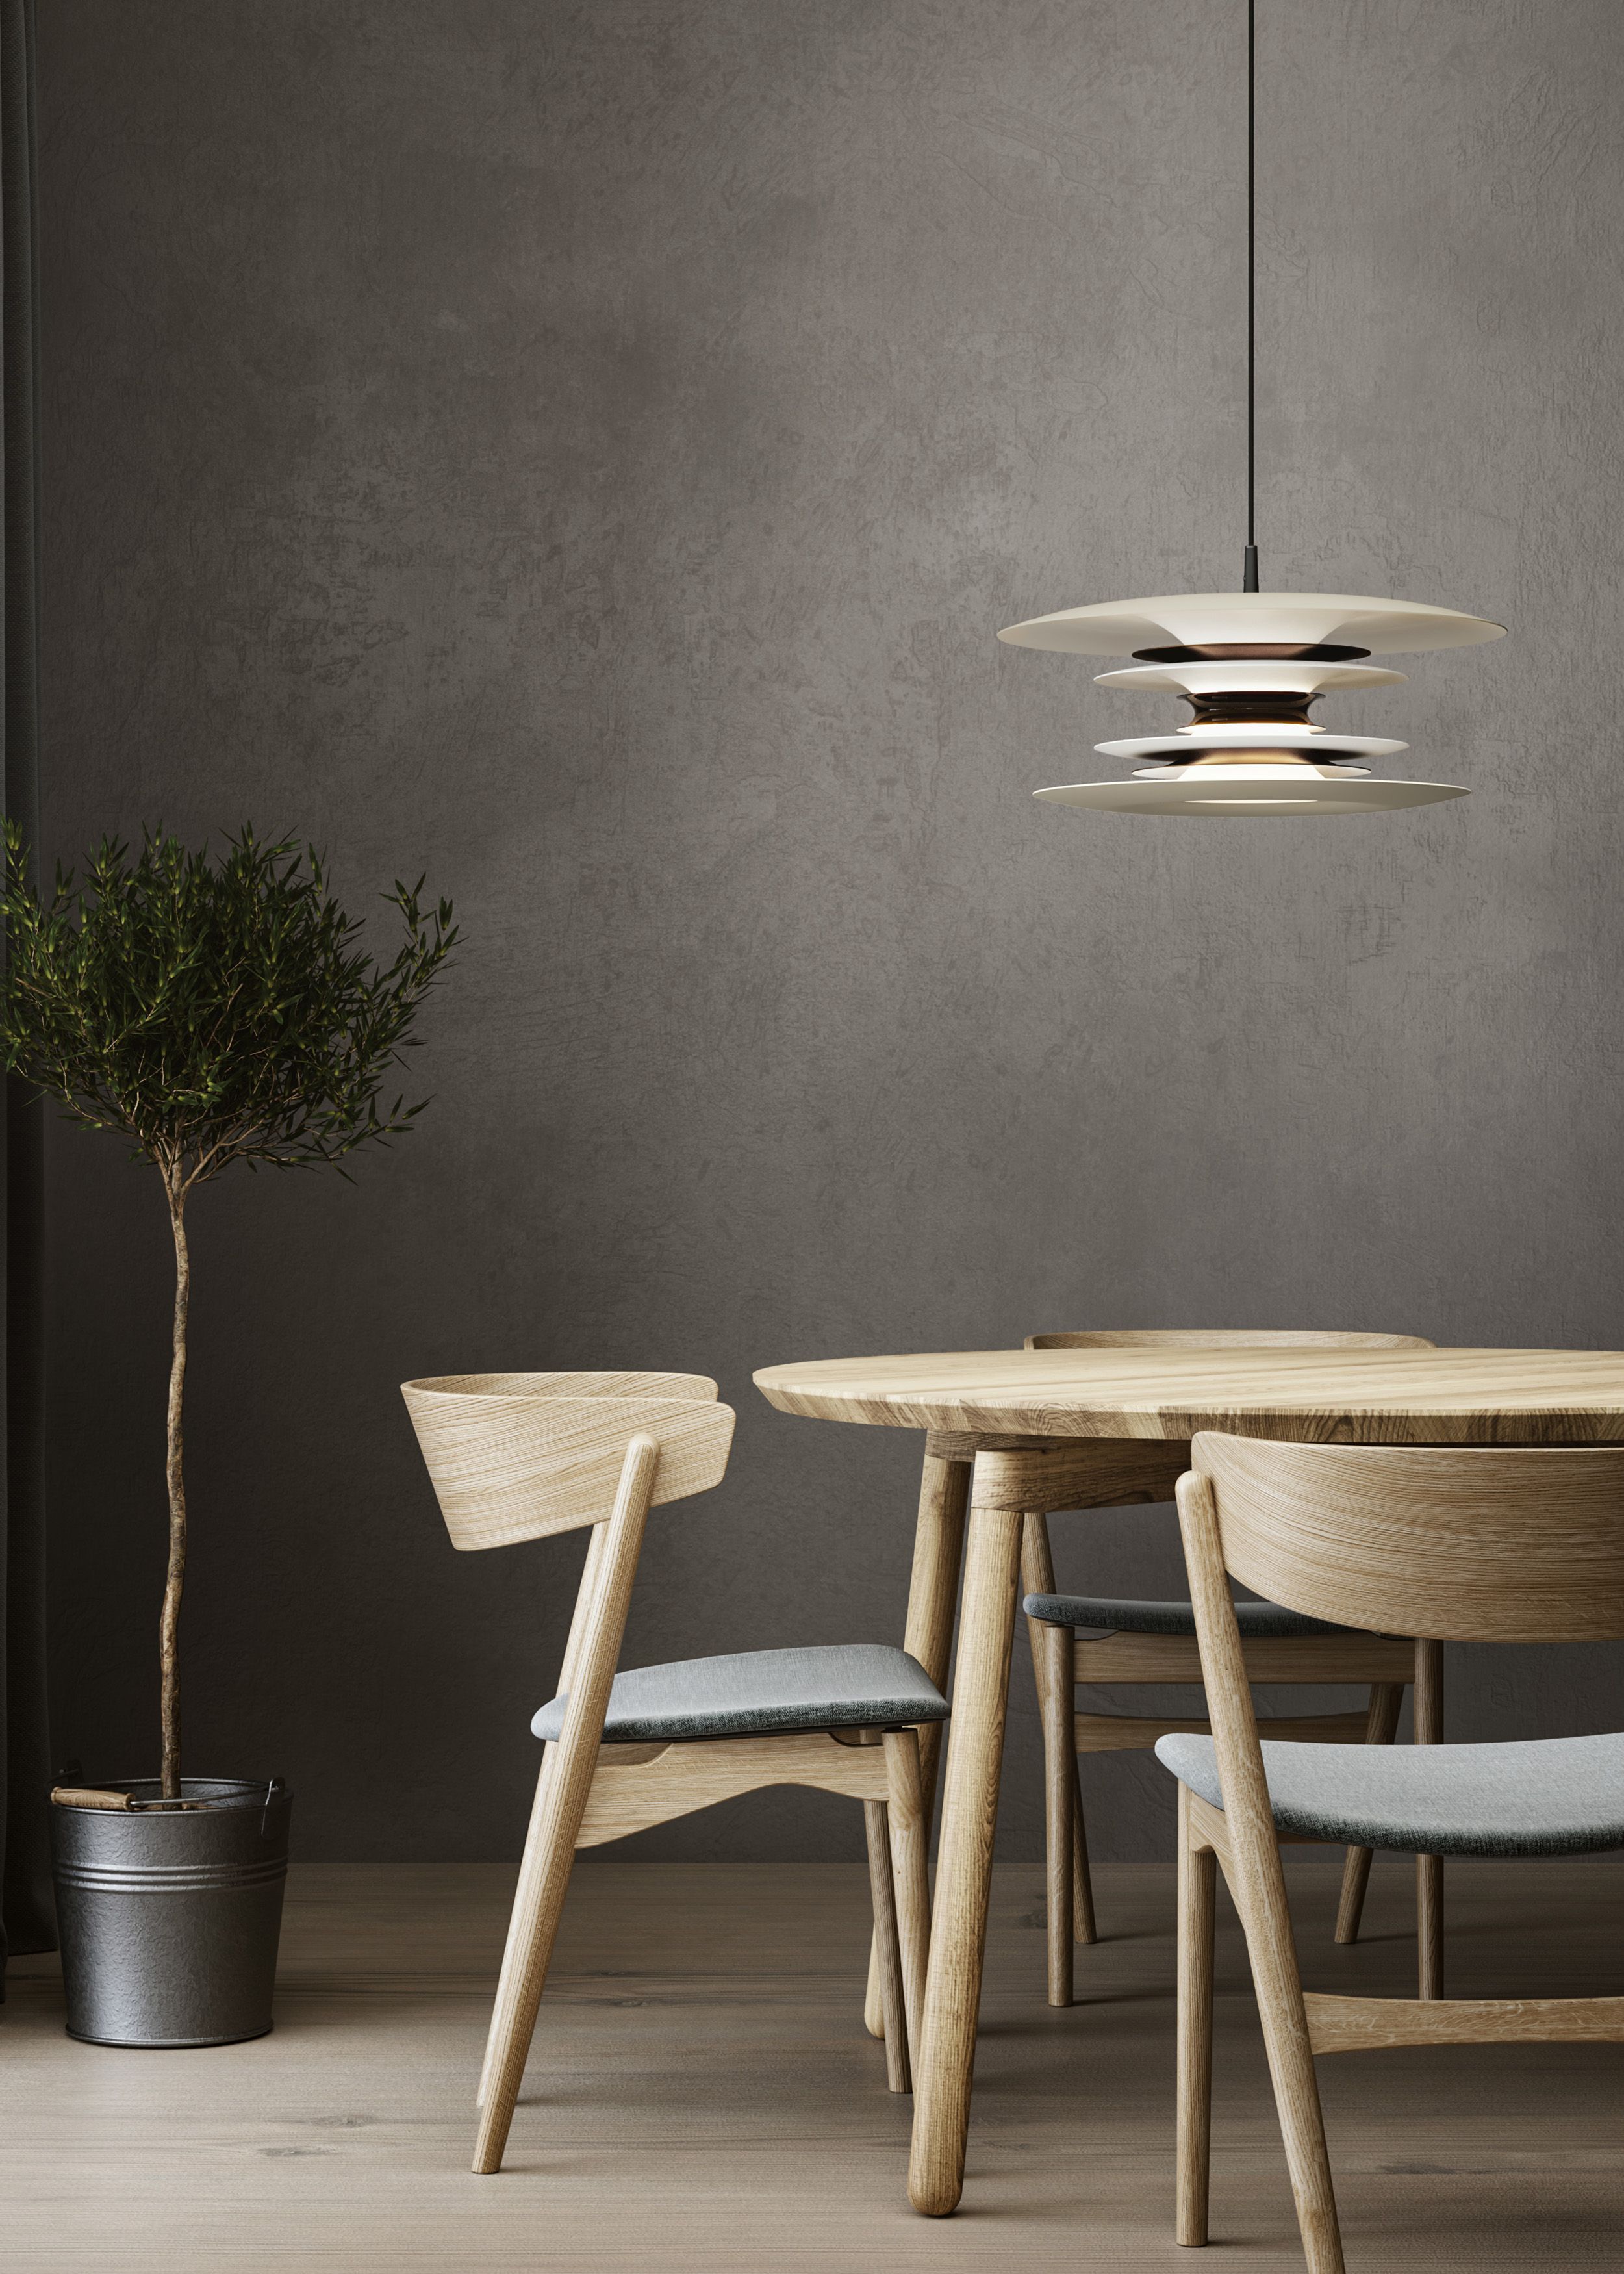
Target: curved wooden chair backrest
{"points": [[521, 1456], [1222, 1338], [1457, 1543]]}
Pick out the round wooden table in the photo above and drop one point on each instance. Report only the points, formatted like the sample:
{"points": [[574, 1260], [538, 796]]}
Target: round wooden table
{"points": [[996, 1409]]}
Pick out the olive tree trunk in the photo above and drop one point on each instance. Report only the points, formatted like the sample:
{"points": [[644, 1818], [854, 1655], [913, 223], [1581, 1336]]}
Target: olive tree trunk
{"points": [[175, 1579]]}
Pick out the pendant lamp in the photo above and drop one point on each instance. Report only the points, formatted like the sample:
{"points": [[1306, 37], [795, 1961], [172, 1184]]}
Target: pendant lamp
{"points": [[1251, 665]]}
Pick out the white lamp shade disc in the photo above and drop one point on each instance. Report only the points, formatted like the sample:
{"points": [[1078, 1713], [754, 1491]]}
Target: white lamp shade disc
{"points": [[1248, 678], [1190, 741], [1250, 794], [1199, 619]]}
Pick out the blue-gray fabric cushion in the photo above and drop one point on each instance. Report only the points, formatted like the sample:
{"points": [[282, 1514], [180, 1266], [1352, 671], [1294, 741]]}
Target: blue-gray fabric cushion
{"points": [[1255, 1620], [1543, 1796], [850, 1685]]}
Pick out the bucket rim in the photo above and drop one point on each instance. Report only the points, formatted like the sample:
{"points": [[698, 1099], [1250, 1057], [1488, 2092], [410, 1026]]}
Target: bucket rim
{"points": [[212, 1792]]}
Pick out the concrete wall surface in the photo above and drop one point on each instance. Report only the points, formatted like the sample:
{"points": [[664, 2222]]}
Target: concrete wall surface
{"points": [[583, 449]]}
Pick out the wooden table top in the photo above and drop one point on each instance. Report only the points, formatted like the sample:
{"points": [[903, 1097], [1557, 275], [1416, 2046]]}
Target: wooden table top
{"points": [[1416, 1397]]}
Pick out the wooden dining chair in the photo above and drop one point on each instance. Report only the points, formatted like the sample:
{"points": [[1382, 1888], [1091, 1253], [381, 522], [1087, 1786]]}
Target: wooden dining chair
{"points": [[517, 1457], [1470, 1544], [1101, 1639]]}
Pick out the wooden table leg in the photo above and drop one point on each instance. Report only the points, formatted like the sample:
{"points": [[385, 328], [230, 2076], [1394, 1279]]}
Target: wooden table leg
{"points": [[969, 1814], [933, 1592], [933, 1598]]}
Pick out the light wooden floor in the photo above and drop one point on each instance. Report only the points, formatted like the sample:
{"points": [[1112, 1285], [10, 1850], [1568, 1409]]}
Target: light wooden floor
{"points": [[703, 2096]]}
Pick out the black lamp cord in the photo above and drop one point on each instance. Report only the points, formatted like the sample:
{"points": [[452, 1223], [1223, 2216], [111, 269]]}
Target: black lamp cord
{"points": [[1249, 575]]}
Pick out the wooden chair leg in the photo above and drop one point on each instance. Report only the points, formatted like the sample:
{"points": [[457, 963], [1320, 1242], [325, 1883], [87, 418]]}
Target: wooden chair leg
{"points": [[569, 1770], [886, 1945], [1386, 1698], [1197, 1882], [1059, 1805], [874, 2010], [544, 1882], [1037, 1578], [1291, 2066], [1428, 1711], [512, 1957], [910, 1872], [1248, 1850], [1083, 1929]]}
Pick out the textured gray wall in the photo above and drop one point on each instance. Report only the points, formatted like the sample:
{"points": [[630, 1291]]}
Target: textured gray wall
{"points": [[584, 451]]}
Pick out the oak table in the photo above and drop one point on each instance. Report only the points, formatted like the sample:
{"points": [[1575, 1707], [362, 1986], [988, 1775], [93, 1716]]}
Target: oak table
{"points": [[1064, 1414]]}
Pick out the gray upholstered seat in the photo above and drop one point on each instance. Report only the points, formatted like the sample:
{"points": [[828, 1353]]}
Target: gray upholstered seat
{"points": [[1544, 1797], [855, 1685], [1256, 1619]]}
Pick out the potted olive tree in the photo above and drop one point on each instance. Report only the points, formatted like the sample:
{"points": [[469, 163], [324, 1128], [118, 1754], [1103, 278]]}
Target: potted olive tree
{"points": [[208, 1010]]}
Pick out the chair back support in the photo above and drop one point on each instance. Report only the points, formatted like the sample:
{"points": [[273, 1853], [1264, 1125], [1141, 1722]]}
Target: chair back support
{"points": [[521, 1456], [1222, 1338], [1455, 1543], [573, 1385]]}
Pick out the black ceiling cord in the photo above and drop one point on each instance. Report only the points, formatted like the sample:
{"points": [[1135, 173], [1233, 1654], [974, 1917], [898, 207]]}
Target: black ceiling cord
{"points": [[1249, 574]]}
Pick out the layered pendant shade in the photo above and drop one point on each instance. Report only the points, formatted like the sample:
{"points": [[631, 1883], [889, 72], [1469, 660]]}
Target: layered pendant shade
{"points": [[1251, 665]]}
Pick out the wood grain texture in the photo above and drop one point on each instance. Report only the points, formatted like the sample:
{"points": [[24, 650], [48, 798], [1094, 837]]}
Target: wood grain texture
{"points": [[1250, 1854], [1453, 1543], [969, 1817], [1313, 1396], [561, 1796], [532, 1864], [933, 1593], [1116, 1733], [1087, 1473], [1324, 1338], [1063, 1828], [520, 1456], [1095, 1474], [933, 1605], [1070, 1884], [514, 1456], [1429, 1721], [697, 1388], [702, 2100], [1387, 1701], [1198, 1872], [78, 1795], [1308, 1659], [639, 1785], [1350, 2025], [909, 1863], [1502, 1520], [888, 1950]]}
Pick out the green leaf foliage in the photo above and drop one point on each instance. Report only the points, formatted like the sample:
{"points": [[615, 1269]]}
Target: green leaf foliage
{"points": [[212, 1009]]}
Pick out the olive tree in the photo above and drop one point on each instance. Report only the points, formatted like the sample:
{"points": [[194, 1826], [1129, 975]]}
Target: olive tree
{"points": [[209, 1009]]}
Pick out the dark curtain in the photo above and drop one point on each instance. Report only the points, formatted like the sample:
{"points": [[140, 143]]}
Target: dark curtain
{"points": [[29, 1921]]}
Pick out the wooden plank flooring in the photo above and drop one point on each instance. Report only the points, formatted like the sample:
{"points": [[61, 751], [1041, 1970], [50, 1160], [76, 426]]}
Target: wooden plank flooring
{"points": [[702, 2095]]}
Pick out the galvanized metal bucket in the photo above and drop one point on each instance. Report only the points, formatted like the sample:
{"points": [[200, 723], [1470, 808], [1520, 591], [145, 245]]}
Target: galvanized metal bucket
{"points": [[169, 1917]]}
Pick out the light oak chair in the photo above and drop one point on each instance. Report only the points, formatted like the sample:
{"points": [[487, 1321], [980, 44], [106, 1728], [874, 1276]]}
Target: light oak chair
{"points": [[1101, 1639], [519, 1456], [1480, 1544]]}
